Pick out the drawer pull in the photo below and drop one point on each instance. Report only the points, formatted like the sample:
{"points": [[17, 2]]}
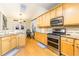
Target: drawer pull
{"points": [[68, 41], [77, 46]]}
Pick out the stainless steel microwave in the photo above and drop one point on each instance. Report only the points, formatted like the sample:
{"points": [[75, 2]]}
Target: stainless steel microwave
{"points": [[59, 21]]}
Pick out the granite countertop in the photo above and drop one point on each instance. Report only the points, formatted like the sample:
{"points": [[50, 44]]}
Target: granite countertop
{"points": [[71, 36], [4, 34]]}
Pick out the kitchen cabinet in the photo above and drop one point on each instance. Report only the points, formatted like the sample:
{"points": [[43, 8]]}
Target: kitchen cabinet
{"points": [[0, 46], [44, 39], [76, 48], [71, 14], [5, 45], [37, 36], [21, 40], [38, 21], [44, 20], [13, 41], [47, 19], [41, 21], [67, 45], [59, 11], [41, 37], [53, 13]]}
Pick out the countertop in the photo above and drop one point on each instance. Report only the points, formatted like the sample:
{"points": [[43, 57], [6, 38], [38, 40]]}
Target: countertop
{"points": [[8, 33], [71, 36]]}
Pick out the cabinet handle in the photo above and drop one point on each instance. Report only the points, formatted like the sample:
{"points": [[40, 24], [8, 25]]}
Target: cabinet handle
{"points": [[72, 45], [68, 41], [77, 46]]}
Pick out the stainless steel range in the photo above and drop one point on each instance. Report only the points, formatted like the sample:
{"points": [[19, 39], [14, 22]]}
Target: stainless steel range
{"points": [[54, 39]]}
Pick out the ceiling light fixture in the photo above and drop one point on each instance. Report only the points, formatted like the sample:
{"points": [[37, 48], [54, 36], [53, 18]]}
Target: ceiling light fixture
{"points": [[22, 7]]}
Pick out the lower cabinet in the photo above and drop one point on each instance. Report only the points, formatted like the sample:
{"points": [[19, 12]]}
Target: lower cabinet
{"points": [[13, 41], [21, 40], [41, 37], [5, 45], [0, 47], [67, 46], [10, 42], [76, 48]]}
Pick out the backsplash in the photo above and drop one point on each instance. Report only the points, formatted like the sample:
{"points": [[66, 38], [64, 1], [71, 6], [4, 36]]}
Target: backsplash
{"points": [[41, 30], [44, 30], [72, 31]]}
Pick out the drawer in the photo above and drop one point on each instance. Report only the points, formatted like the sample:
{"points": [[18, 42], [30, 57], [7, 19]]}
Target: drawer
{"points": [[77, 42]]}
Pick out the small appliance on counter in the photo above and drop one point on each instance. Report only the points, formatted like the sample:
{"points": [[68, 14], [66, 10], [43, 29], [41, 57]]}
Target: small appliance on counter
{"points": [[54, 39]]}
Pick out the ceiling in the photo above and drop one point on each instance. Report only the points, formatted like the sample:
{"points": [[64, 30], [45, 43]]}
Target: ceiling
{"points": [[25, 10]]}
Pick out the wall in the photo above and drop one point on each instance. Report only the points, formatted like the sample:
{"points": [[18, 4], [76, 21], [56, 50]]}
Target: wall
{"points": [[12, 24], [72, 31], [41, 30], [1, 21]]}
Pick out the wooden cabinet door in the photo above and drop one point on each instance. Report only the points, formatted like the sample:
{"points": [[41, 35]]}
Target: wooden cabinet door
{"points": [[0, 46], [47, 19], [76, 52], [62, 43], [63, 48], [5, 45], [53, 13], [41, 37], [38, 21], [21, 40], [13, 41], [44, 20], [71, 14], [67, 47], [59, 11]]}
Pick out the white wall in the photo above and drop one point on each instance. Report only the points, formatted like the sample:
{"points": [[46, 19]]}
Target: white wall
{"points": [[41, 30], [72, 31], [1, 21]]}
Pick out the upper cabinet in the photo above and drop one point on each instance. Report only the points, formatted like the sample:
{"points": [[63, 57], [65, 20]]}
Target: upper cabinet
{"points": [[59, 11], [53, 13], [47, 19], [38, 21], [69, 11], [44, 20], [71, 14]]}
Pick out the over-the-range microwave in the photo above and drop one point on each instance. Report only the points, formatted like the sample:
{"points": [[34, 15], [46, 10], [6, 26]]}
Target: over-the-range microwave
{"points": [[59, 21]]}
